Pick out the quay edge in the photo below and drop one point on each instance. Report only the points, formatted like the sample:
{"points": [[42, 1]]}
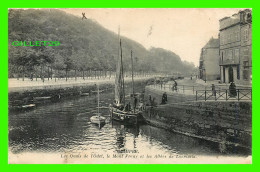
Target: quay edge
{"points": [[54, 94], [226, 122]]}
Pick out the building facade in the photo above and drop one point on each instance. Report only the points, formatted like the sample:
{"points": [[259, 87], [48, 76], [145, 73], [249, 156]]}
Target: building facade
{"points": [[235, 51], [209, 61]]}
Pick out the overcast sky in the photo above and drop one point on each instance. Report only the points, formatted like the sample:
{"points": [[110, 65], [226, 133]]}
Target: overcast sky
{"points": [[181, 30]]}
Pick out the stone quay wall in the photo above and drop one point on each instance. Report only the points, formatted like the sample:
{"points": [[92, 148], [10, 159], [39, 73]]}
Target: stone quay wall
{"points": [[228, 122]]}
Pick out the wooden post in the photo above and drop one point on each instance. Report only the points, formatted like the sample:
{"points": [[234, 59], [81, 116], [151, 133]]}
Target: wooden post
{"points": [[75, 74], [51, 72], [66, 75], [226, 94], [23, 72], [205, 95], [48, 73], [238, 94]]}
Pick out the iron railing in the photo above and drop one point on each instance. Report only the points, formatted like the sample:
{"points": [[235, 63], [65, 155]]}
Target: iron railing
{"points": [[220, 93], [224, 94], [189, 89]]}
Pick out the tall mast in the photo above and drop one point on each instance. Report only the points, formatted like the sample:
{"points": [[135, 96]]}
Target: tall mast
{"points": [[119, 42], [118, 85], [133, 79], [98, 97], [132, 73], [122, 72]]}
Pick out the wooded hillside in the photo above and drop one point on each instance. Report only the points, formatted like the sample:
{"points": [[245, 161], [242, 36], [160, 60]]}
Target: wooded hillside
{"points": [[84, 46]]}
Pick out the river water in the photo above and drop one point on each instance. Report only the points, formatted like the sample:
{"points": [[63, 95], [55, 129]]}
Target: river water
{"points": [[55, 128]]}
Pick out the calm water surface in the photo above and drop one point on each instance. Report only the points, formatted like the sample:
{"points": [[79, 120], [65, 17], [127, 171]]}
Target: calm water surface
{"points": [[65, 126]]}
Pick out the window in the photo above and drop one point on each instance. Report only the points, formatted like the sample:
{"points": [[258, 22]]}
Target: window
{"points": [[246, 54], [221, 39], [249, 17], [237, 36], [245, 75], [245, 34], [229, 38], [222, 56], [236, 55], [246, 64], [233, 37], [230, 54]]}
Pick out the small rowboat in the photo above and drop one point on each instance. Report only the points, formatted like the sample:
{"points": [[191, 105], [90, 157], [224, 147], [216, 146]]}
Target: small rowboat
{"points": [[97, 119], [22, 107], [84, 94]]}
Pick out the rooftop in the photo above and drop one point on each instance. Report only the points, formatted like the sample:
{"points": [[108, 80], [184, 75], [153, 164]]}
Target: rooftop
{"points": [[234, 15], [212, 43]]}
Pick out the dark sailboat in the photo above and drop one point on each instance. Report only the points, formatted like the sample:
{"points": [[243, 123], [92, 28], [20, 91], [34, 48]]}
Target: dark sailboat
{"points": [[120, 110]]}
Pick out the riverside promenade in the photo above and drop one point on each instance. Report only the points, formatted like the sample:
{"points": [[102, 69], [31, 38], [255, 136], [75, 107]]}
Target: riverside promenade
{"points": [[196, 90], [194, 110], [15, 85]]}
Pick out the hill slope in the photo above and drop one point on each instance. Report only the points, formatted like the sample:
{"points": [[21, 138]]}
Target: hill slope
{"points": [[84, 45]]}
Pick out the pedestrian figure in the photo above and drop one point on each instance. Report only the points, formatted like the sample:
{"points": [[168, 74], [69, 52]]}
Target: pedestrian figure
{"points": [[213, 90], [31, 76], [232, 90], [127, 107], [164, 98], [150, 99], [175, 86]]}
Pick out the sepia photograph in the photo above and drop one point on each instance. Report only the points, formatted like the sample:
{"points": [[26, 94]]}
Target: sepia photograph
{"points": [[130, 86]]}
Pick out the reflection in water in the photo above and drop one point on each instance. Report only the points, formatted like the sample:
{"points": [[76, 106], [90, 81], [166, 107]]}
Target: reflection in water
{"points": [[65, 126]]}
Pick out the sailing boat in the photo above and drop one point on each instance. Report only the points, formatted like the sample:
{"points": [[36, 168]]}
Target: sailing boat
{"points": [[98, 119], [120, 110]]}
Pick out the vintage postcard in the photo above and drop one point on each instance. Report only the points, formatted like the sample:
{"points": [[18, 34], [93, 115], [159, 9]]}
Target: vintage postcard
{"points": [[130, 86]]}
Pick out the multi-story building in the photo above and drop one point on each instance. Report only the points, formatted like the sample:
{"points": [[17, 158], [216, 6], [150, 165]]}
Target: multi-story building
{"points": [[209, 61], [235, 49]]}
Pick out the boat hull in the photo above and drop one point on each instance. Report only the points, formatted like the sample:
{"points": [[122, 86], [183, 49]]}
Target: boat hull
{"points": [[97, 119], [22, 107], [126, 117]]}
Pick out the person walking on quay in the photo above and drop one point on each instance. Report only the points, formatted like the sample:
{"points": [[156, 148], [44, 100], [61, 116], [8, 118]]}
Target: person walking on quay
{"points": [[164, 98], [213, 90], [174, 87], [232, 90]]}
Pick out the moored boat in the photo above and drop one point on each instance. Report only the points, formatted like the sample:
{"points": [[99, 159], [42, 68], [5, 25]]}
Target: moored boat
{"points": [[22, 107], [120, 110], [98, 119]]}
